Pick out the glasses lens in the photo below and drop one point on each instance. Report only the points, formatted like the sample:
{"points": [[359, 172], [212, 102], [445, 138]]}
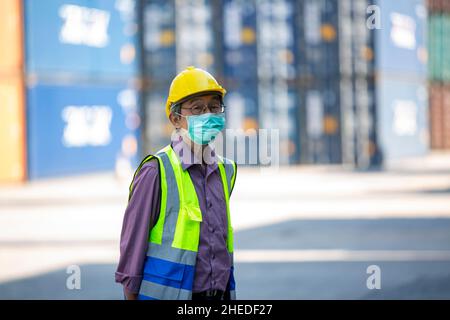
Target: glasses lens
{"points": [[198, 109]]}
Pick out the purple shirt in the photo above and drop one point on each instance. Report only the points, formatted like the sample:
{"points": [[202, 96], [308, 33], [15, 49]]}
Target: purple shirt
{"points": [[213, 263]]}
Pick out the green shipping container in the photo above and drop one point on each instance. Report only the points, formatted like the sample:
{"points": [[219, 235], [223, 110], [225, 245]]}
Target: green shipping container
{"points": [[439, 47]]}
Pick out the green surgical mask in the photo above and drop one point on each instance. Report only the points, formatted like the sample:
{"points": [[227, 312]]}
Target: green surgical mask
{"points": [[204, 128]]}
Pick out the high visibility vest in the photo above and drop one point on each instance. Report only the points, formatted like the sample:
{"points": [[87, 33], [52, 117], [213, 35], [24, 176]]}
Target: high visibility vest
{"points": [[169, 266]]}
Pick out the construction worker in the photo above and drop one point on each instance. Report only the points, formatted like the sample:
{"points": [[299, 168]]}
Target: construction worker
{"points": [[177, 239]]}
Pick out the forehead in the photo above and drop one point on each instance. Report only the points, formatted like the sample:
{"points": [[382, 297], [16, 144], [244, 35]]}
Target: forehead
{"points": [[205, 98]]}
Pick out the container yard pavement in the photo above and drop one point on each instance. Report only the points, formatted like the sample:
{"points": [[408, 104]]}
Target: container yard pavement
{"points": [[301, 233]]}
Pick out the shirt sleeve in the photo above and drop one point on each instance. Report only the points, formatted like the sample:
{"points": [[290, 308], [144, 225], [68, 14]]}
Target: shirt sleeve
{"points": [[141, 215]]}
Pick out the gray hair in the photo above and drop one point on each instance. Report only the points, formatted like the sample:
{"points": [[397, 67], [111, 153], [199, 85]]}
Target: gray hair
{"points": [[175, 108]]}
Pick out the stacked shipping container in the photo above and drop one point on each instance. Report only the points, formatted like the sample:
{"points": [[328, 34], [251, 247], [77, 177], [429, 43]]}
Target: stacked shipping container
{"points": [[12, 128], [260, 70], [82, 104], [319, 80], [277, 74], [176, 34], [159, 63], [362, 72], [401, 63], [240, 58], [439, 73]]}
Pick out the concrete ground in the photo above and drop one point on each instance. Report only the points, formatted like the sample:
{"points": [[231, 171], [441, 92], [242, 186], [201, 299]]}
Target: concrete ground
{"points": [[301, 233]]}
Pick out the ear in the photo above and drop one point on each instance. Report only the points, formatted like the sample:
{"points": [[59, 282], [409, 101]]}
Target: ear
{"points": [[175, 120]]}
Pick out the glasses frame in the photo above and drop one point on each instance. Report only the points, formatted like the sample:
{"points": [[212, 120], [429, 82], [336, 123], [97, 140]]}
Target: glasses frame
{"points": [[206, 107]]}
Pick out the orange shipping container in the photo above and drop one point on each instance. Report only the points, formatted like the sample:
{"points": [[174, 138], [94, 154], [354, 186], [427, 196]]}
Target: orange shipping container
{"points": [[12, 130], [436, 117], [446, 115], [11, 57], [440, 116]]}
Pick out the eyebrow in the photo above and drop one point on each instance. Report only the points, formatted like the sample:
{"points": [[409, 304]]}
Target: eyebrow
{"points": [[216, 98]]}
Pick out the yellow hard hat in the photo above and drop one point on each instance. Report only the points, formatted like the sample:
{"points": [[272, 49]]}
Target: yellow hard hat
{"points": [[189, 82]]}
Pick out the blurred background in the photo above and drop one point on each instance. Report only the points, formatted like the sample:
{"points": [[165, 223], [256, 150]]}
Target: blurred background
{"points": [[358, 89]]}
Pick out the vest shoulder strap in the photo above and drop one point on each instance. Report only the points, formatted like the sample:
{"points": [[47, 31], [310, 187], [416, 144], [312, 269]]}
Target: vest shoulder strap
{"points": [[144, 161], [231, 170]]}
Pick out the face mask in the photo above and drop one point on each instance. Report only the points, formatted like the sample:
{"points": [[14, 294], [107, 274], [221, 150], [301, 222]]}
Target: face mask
{"points": [[204, 128]]}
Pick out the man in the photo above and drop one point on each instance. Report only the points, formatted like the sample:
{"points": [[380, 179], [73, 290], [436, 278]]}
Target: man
{"points": [[177, 239]]}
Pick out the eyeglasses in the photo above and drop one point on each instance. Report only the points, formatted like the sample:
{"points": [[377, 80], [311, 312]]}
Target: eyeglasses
{"points": [[198, 109]]}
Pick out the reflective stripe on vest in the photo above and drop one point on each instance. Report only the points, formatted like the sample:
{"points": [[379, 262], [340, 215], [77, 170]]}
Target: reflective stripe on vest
{"points": [[169, 267]]}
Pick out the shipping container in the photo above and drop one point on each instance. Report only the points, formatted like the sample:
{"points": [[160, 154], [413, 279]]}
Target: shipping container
{"points": [[12, 130], [278, 100], [279, 114], [438, 47], [157, 128], [195, 35], [440, 116], [11, 50], [358, 122], [318, 40], [438, 6], [242, 121], [320, 123], [79, 129], [277, 40], [159, 41], [446, 115], [239, 40], [81, 38], [400, 39], [403, 118], [360, 37]]}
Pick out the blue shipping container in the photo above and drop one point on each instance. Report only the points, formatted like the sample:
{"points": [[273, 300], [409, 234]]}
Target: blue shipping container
{"points": [[195, 30], [158, 128], [320, 122], [81, 37], [239, 37], [160, 40], [400, 43], [318, 43], [76, 129], [277, 40], [402, 118]]}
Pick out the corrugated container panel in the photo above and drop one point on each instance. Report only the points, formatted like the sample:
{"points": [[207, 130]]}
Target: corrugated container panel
{"points": [[436, 116], [278, 111], [158, 128], [12, 130], [159, 40], [446, 115], [446, 47], [439, 46], [277, 40], [11, 51], [241, 103], [435, 47], [360, 146], [402, 118], [239, 38], [318, 39], [195, 38], [87, 38], [440, 116], [320, 122], [401, 48], [242, 120], [438, 5], [80, 129]]}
